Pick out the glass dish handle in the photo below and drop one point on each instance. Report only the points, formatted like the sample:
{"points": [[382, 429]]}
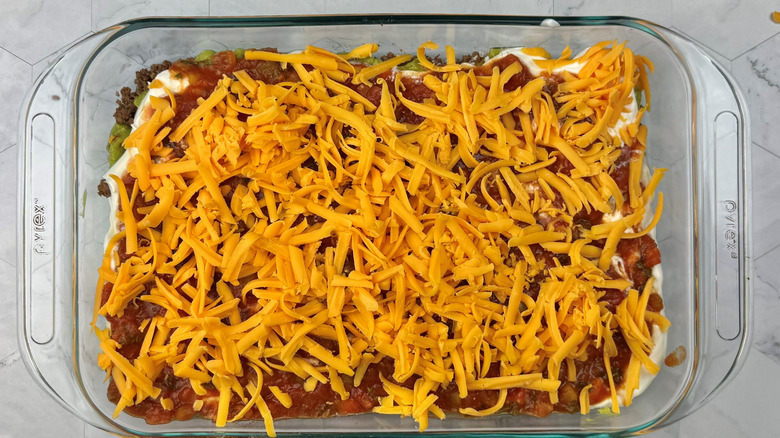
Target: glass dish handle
{"points": [[46, 250], [724, 293]]}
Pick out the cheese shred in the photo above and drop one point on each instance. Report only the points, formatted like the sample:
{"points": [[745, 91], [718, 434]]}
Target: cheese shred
{"points": [[387, 247]]}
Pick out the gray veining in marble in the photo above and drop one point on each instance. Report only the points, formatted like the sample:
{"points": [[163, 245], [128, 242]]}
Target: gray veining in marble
{"points": [[745, 408], [759, 77], [8, 178], [766, 328], [106, 13], [15, 79], [656, 11], [35, 28], [725, 62], [738, 32], [729, 27], [28, 411], [765, 218]]}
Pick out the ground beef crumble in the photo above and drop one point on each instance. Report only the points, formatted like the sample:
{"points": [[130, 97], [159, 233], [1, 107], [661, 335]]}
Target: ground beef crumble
{"points": [[125, 104], [104, 189]]}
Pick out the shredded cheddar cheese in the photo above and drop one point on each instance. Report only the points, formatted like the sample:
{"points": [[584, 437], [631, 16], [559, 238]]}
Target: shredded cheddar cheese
{"points": [[386, 247]]}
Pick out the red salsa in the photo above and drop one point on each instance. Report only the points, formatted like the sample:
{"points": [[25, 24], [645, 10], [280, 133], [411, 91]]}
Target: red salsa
{"points": [[639, 256]]}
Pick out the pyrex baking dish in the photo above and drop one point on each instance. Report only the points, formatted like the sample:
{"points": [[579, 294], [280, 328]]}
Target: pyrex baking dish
{"points": [[698, 129]]}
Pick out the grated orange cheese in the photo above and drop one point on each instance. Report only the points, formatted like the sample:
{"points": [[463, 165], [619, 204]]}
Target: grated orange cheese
{"points": [[426, 239]]}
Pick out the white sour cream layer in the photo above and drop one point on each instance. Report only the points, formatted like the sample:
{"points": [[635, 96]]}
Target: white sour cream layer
{"points": [[628, 116]]}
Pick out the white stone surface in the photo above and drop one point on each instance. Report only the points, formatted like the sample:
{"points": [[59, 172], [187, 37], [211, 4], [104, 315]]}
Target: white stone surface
{"points": [[240, 7], [739, 32], [729, 27], [15, 80], [767, 299], [32, 29], [106, 13], [8, 178], [498, 7], [759, 77], [745, 408], [725, 62], [27, 410], [656, 11], [766, 216], [9, 348]]}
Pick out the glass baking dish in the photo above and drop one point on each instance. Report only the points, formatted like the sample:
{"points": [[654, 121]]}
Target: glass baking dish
{"points": [[698, 129]]}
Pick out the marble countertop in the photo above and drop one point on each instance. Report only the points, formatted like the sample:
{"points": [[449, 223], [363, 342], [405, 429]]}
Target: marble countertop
{"points": [[740, 33]]}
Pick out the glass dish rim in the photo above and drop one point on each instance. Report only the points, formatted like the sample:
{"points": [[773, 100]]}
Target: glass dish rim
{"points": [[116, 31]]}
